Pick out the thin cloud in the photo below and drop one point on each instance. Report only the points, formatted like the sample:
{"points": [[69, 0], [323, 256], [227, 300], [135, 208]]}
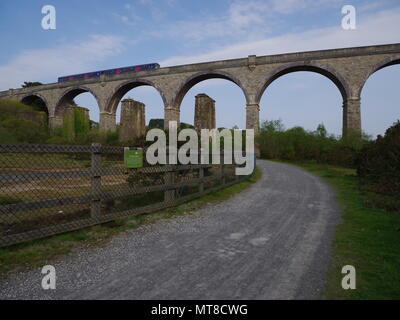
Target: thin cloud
{"points": [[293, 6], [379, 28], [243, 18], [44, 64]]}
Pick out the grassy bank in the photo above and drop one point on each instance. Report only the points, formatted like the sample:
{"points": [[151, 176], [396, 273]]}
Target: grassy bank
{"points": [[38, 252], [367, 238]]}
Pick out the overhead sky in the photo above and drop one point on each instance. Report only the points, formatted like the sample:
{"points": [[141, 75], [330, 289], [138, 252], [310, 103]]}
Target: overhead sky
{"points": [[94, 34]]}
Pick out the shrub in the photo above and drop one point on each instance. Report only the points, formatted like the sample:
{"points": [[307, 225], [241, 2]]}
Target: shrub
{"points": [[20, 123], [81, 125], [24, 131], [275, 142], [111, 137], [378, 163], [6, 136]]}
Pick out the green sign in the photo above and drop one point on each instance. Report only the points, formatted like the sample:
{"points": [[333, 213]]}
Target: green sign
{"points": [[133, 158]]}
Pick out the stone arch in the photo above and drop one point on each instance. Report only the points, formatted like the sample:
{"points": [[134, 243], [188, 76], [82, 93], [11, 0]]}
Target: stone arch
{"points": [[191, 81], [123, 88], [68, 95], [30, 98], [326, 71], [391, 61]]}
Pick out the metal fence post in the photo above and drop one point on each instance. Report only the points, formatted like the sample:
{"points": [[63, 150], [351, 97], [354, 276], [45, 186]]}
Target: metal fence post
{"points": [[95, 207], [169, 178]]}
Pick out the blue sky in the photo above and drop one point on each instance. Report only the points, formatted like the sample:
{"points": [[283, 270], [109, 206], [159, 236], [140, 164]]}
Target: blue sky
{"points": [[94, 35]]}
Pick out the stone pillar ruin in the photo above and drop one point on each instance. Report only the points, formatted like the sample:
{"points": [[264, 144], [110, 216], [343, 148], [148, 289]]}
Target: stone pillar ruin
{"points": [[351, 116], [204, 114], [55, 121], [66, 111], [133, 125], [70, 109]]}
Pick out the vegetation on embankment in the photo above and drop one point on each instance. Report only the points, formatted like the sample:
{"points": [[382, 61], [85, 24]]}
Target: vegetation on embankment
{"points": [[21, 123], [377, 161], [39, 252], [298, 144], [367, 238]]}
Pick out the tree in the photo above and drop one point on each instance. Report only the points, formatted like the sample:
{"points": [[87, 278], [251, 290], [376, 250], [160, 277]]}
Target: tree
{"points": [[28, 84], [272, 126], [321, 131]]}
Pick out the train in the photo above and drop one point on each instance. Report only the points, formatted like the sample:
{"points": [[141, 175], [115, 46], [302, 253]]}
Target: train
{"points": [[96, 74]]}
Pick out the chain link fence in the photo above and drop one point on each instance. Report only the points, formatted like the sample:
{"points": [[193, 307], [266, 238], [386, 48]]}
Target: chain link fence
{"points": [[50, 189]]}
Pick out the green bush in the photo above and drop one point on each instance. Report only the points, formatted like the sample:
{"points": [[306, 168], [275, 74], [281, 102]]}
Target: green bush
{"points": [[14, 109], [23, 131], [275, 142], [378, 163], [111, 137], [6, 136]]}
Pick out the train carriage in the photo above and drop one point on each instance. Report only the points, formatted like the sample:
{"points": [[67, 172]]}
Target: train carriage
{"points": [[108, 72]]}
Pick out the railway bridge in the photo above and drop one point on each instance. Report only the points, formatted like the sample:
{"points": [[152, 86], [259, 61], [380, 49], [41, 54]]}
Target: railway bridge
{"points": [[347, 68]]}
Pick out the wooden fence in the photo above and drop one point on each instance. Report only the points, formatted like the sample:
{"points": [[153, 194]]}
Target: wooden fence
{"points": [[51, 189]]}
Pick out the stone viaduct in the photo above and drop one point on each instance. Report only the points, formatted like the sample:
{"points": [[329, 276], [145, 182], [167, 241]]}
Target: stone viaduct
{"points": [[347, 68]]}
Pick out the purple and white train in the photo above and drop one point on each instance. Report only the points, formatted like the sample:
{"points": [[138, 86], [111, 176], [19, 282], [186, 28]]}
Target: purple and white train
{"points": [[96, 74]]}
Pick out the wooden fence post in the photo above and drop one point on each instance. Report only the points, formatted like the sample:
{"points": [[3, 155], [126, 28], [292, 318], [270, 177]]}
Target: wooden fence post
{"points": [[169, 178], [223, 180], [201, 176], [235, 166], [95, 207]]}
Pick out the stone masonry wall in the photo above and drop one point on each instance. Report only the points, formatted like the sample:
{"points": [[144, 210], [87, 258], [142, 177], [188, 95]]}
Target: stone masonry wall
{"points": [[204, 115], [133, 125]]}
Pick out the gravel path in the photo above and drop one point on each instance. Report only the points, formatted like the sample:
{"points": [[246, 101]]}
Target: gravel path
{"points": [[272, 241]]}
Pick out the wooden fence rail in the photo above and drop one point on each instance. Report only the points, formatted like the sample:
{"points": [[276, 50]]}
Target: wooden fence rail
{"points": [[36, 199]]}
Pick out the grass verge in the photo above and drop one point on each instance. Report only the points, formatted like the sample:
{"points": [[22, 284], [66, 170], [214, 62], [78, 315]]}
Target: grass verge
{"points": [[367, 238], [38, 252]]}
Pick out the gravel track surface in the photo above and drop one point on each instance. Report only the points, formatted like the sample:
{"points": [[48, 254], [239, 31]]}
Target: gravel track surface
{"points": [[271, 241]]}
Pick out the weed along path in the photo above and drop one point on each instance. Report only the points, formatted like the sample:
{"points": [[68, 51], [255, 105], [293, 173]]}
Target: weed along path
{"points": [[271, 241]]}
